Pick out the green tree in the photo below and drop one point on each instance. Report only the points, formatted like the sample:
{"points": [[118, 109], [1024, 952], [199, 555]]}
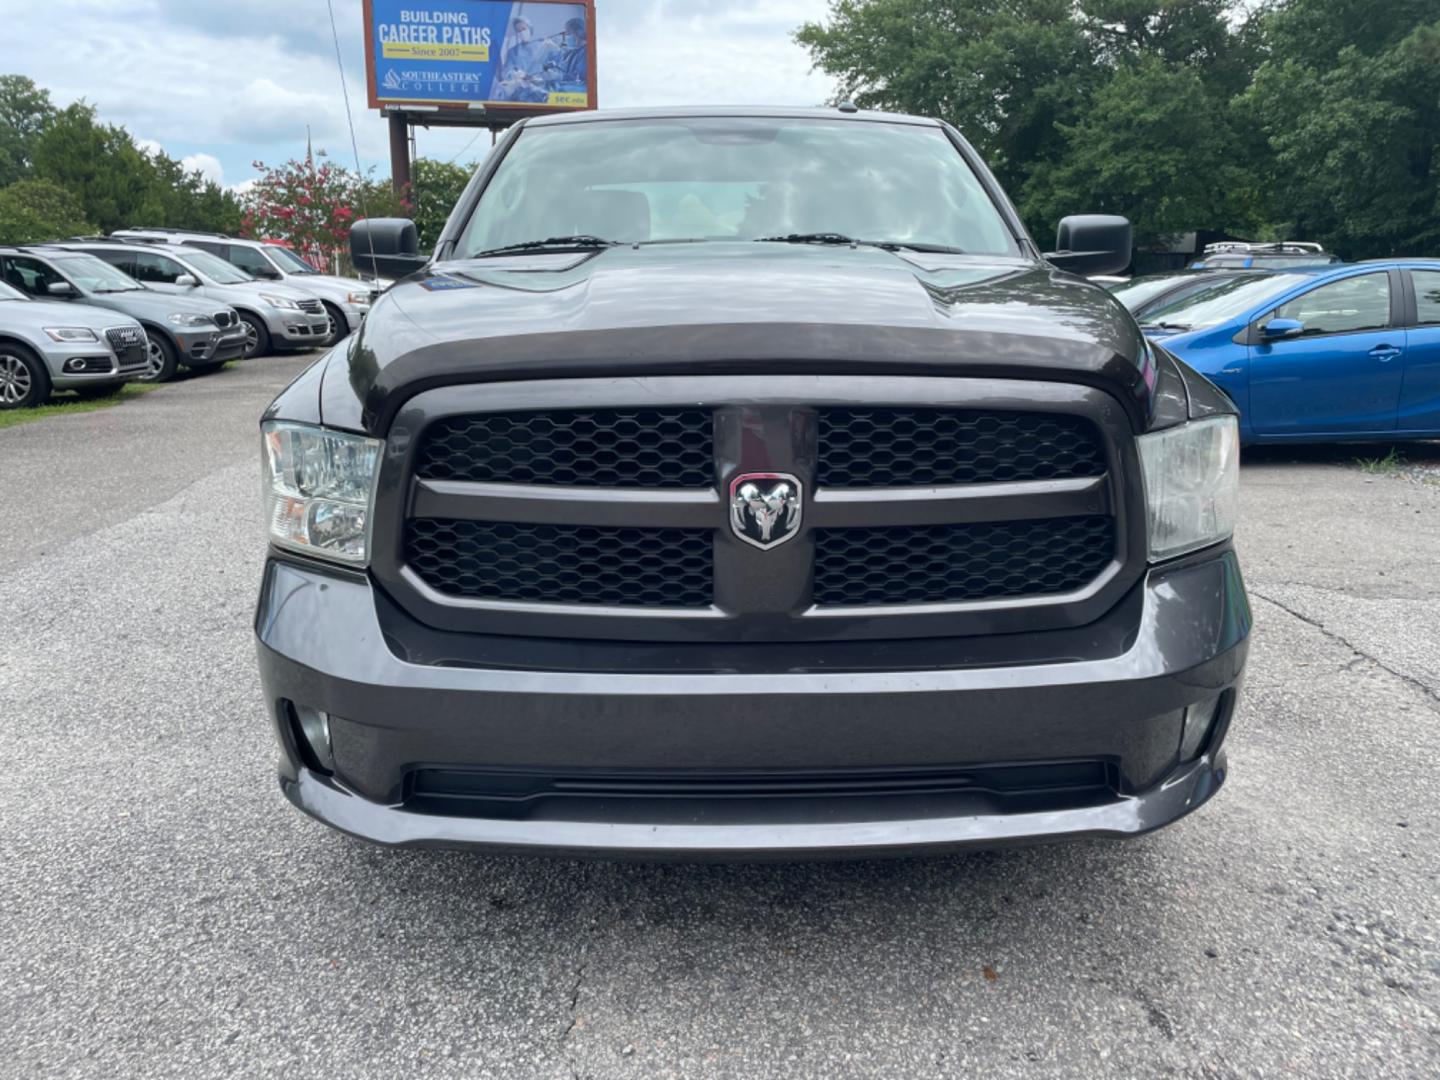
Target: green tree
{"points": [[1155, 146], [25, 110], [1352, 130], [100, 165], [435, 189], [1043, 88], [36, 210]]}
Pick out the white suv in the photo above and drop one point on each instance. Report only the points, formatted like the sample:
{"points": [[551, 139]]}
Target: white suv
{"points": [[346, 300]]}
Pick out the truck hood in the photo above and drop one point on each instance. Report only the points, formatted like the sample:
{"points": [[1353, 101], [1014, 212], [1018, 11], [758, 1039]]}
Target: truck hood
{"points": [[733, 308]]}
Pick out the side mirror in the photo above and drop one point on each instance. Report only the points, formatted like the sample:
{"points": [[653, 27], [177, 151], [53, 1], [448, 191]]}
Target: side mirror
{"points": [[386, 247], [267, 273], [187, 280], [60, 288], [1276, 329], [1092, 244]]}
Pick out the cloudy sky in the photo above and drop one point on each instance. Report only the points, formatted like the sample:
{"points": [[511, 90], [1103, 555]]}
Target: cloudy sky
{"points": [[220, 83]]}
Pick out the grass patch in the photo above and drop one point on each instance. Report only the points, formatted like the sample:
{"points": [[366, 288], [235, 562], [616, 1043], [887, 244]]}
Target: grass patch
{"points": [[1388, 465], [62, 403]]}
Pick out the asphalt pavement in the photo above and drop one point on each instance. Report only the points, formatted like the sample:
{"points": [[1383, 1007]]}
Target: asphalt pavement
{"points": [[165, 913]]}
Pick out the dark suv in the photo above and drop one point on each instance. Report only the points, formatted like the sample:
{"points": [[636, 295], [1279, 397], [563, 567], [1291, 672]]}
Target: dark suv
{"points": [[748, 483]]}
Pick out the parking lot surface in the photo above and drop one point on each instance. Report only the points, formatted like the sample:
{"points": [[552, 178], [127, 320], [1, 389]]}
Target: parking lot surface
{"points": [[164, 912]]}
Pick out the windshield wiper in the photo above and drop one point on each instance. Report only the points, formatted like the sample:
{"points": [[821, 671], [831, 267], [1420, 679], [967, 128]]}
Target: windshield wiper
{"points": [[554, 243], [1164, 326], [840, 239]]}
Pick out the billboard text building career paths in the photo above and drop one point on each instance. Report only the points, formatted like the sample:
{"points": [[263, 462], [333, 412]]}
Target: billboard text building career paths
{"points": [[521, 58]]}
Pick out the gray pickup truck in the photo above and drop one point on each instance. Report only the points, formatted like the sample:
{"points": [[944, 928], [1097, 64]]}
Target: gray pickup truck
{"points": [[748, 483]]}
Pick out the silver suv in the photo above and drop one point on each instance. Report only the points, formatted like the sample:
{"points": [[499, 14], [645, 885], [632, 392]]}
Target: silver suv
{"points": [[179, 330], [346, 300], [48, 345], [267, 314]]}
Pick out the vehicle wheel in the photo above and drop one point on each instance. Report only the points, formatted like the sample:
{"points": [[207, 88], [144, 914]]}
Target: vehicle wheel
{"points": [[100, 390], [160, 359], [24, 382], [257, 337], [339, 326]]}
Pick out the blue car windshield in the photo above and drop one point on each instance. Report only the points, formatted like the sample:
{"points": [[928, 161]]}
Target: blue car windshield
{"points": [[1223, 301], [737, 178]]}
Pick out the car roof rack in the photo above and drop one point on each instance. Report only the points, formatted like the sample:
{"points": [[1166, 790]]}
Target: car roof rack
{"points": [[178, 232], [1278, 247]]}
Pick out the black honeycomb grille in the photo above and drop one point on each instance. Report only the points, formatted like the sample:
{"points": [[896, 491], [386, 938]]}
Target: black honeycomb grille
{"points": [[562, 564], [898, 447], [644, 448], [953, 563]]}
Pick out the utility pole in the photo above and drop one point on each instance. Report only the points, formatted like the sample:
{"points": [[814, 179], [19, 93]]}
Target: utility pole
{"points": [[399, 152]]}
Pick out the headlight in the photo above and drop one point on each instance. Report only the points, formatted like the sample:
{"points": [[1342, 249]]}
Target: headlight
{"points": [[71, 333], [319, 488], [1192, 484], [283, 302], [190, 320], [358, 299]]}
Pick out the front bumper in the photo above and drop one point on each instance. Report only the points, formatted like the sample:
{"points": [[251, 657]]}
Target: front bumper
{"points": [[1110, 697], [299, 328], [211, 346]]}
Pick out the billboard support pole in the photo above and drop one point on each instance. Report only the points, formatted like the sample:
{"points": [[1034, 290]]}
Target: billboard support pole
{"points": [[399, 152]]}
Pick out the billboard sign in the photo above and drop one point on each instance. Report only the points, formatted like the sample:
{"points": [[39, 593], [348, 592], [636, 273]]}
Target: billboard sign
{"points": [[523, 58]]}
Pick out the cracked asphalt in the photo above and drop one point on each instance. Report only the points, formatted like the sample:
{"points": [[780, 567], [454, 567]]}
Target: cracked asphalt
{"points": [[164, 913]]}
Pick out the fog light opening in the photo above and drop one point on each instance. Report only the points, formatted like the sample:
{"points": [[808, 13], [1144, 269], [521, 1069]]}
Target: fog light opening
{"points": [[75, 364], [312, 738], [1200, 721]]}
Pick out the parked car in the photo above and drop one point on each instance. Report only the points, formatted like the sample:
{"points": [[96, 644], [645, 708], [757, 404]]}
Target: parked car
{"points": [[178, 330], [1318, 354], [258, 315], [346, 300], [1150, 291], [49, 345], [652, 516], [1234, 255]]}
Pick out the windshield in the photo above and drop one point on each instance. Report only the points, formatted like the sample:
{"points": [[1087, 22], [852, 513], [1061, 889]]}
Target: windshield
{"points": [[95, 275], [215, 268], [1223, 301], [1136, 291], [288, 260], [9, 292], [736, 179]]}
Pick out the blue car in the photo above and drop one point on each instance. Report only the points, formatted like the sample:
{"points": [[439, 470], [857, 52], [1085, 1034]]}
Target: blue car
{"points": [[1318, 354]]}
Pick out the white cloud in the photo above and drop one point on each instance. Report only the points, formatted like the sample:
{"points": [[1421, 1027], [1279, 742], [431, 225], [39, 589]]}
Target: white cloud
{"points": [[208, 165]]}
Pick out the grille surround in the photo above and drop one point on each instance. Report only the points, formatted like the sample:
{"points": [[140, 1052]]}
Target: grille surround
{"points": [[652, 448], [761, 424], [311, 307]]}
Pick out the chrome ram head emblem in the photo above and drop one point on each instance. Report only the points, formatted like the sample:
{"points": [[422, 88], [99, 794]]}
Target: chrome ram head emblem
{"points": [[765, 508]]}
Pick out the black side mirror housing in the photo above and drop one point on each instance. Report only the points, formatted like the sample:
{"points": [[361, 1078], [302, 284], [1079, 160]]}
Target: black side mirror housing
{"points": [[266, 273], [386, 247], [1092, 244]]}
